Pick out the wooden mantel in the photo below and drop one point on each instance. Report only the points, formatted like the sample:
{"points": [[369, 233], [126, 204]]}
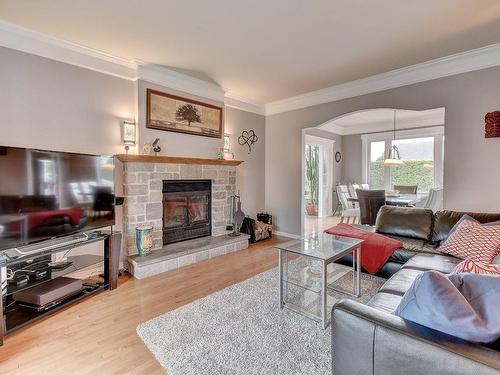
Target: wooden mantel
{"points": [[173, 160]]}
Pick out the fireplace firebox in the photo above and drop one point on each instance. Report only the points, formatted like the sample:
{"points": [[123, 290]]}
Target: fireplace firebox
{"points": [[186, 210]]}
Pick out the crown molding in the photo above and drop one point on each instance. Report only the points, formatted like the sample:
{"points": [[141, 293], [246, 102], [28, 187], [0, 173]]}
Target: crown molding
{"points": [[29, 41], [21, 39], [169, 78], [35, 43], [476, 59], [244, 104]]}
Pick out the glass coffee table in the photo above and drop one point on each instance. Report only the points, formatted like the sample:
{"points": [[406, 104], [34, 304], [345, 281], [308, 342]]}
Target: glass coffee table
{"points": [[321, 249]]}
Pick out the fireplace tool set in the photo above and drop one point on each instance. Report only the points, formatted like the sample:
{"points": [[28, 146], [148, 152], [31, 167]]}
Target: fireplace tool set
{"points": [[237, 215]]}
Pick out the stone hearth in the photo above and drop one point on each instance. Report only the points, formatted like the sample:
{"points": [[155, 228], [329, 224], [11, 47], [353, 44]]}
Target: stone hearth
{"points": [[143, 195], [184, 253]]}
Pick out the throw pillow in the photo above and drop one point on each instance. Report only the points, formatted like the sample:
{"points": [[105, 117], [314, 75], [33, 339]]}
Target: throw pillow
{"points": [[470, 266], [473, 241], [469, 218], [462, 305]]}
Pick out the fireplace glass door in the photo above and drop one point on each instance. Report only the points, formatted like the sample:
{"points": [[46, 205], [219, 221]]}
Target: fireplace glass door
{"points": [[186, 210]]}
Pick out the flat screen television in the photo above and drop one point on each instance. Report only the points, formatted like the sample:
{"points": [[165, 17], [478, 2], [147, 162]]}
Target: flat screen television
{"points": [[47, 194]]}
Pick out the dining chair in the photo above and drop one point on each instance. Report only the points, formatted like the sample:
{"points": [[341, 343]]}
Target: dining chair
{"points": [[434, 200], [348, 211], [422, 202], [337, 204], [365, 186], [406, 189], [353, 188], [370, 202]]}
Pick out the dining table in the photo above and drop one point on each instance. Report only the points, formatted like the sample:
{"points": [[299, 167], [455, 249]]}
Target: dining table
{"points": [[404, 200]]}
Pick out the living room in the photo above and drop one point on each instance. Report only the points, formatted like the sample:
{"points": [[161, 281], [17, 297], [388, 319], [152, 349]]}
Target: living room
{"points": [[157, 211]]}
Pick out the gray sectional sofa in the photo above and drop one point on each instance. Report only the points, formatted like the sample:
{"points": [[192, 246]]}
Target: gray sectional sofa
{"points": [[370, 339]]}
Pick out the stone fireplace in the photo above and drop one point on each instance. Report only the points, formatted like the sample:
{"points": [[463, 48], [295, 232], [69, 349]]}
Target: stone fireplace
{"points": [[148, 180], [187, 210], [187, 201]]}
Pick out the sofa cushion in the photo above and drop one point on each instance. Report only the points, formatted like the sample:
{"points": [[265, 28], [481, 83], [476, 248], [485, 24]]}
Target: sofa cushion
{"points": [[462, 305], [445, 220], [426, 262], [406, 222], [389, 269], [400, 282], [385, 302], [473, 241], [401, 256], [416, 245]]}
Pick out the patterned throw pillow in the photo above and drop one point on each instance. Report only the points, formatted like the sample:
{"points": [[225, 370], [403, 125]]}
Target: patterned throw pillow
{"points": [[470, 266], [473, 241], [467, 217]]}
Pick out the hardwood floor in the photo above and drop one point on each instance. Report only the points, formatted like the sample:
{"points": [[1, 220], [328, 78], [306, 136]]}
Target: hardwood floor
{"points": [[97, 336], [319, 224]]}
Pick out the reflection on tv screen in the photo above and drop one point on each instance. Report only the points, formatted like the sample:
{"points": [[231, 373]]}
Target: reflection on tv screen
{"points": [[45, 194]]}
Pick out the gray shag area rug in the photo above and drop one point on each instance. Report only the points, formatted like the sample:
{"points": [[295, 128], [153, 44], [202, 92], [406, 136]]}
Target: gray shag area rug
{"points": [[242, 330]]}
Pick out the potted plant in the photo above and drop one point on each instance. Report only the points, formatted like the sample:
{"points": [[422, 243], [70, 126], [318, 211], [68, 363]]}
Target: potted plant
{"points": [[312, 179]]}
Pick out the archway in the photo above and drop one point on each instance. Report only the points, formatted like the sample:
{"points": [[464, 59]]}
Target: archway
{"points": [[361, 139]]}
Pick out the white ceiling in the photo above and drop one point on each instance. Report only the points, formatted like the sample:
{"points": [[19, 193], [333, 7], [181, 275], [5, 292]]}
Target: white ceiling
{"points": [[268, 50], [382, 119]]}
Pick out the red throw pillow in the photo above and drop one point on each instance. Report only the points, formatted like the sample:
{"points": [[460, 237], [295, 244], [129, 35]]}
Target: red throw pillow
{"points": [[473, 241], [470, 266]]}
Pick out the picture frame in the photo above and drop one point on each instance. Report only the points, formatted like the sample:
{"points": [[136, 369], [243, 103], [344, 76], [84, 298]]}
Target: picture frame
{"points": [[183, 115]]}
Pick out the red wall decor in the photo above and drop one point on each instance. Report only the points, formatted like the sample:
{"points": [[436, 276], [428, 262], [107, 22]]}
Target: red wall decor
{"points": [[492, 127]]}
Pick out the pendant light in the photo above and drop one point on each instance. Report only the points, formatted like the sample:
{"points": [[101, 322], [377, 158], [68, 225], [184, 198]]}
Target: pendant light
{"points": [[393, 158]]}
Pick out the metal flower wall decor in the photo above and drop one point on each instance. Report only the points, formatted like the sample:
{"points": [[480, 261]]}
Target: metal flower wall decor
{"points": [[248, 138]]}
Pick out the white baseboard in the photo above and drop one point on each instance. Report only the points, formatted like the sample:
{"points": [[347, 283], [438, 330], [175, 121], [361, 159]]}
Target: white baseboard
{"points": [[285, 234]]}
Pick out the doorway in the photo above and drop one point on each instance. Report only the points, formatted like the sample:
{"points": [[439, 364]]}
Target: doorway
{"points": [[318, 178]]}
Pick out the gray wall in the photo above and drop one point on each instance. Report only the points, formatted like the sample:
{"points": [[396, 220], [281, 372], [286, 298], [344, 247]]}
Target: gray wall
{"points": [[352, 168], [52, 105], [57, 106], [250, 174], [469, 175]]}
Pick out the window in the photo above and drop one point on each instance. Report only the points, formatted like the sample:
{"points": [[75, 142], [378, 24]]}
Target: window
{"points": [[376, 167], [418, 167], [421, 150]]}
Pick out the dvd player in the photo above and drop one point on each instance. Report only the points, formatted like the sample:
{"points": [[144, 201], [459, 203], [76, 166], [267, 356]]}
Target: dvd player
{"points": [[47, 294]]}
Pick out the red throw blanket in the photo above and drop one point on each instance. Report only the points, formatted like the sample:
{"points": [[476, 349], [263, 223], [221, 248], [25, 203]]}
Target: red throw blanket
{"points": [[376, 248]]}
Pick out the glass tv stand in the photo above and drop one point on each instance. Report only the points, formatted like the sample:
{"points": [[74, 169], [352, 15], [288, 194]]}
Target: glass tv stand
{"points": [[34, 265]]}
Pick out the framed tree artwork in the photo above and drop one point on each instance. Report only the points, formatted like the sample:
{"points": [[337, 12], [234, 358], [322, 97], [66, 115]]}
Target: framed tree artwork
{"points": [[176, 114]]}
